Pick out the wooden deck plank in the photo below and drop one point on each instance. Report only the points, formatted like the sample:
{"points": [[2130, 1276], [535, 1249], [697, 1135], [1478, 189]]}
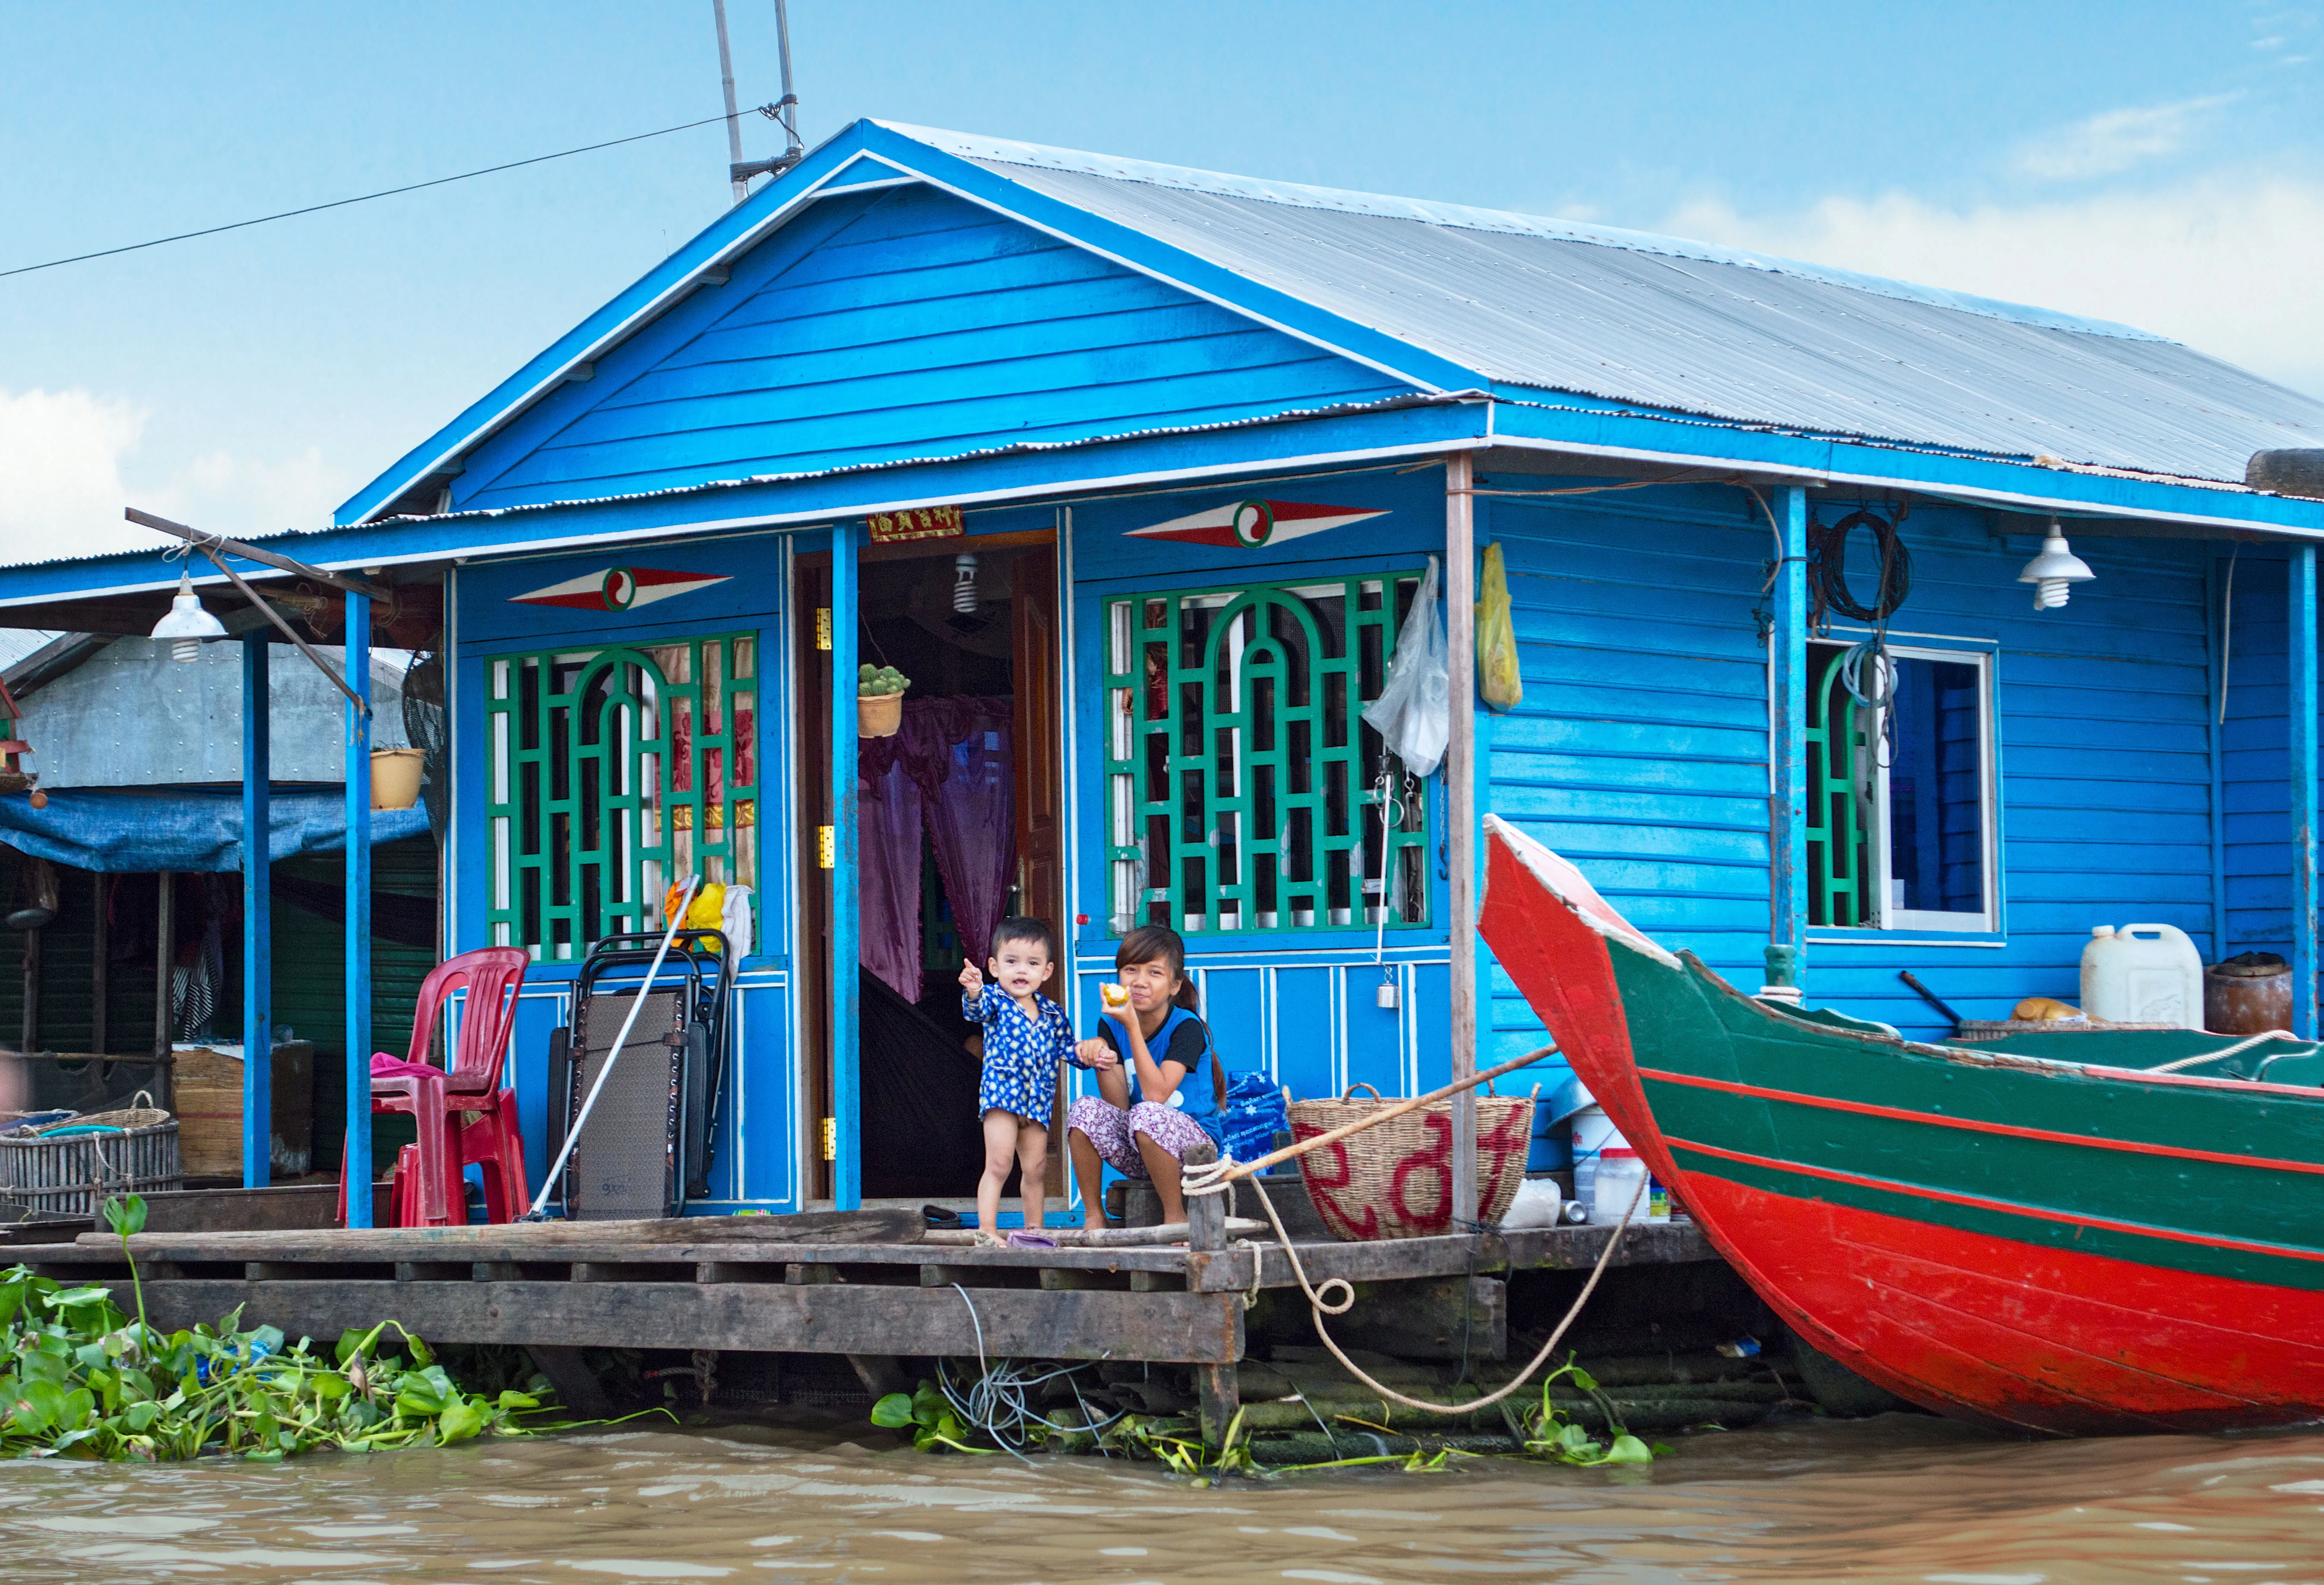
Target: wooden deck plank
{"points": [[824, 1319]]}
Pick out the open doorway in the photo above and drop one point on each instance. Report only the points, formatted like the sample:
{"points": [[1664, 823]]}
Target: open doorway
{"points": [[957, 827]]}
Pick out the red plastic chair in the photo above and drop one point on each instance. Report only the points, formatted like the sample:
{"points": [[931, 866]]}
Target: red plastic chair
{"points": [[418, 1088]]}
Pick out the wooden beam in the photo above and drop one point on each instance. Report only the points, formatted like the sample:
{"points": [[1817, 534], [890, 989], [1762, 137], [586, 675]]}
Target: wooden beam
{"points": [[1460, 773], [100, 965], [257, 919], [812, 1319], [165, 949], [1442, 1318], [275, 559], [357, 1168], [2300, 738]]}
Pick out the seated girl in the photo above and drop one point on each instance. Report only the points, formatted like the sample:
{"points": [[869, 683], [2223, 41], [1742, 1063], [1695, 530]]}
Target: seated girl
{"points": [[1155, 1099]]}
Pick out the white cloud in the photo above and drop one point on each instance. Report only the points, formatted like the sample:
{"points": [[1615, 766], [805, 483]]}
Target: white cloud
{"points": [[60, 486], [69, 462], [2116, 140], [2227, 265]]}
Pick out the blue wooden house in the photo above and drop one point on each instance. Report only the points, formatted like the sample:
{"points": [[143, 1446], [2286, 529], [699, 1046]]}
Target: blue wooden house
{"points": [[1190, 442]]}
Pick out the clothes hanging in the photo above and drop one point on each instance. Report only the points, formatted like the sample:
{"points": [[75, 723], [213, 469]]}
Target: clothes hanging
{"points": [[889, 853]]}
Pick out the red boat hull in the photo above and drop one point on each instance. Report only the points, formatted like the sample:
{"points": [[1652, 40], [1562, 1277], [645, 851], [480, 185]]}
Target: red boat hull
{"points": [[1890, 1271]]}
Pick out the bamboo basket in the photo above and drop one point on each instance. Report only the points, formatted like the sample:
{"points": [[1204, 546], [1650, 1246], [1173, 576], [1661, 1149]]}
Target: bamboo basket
{"points": [[1395, 1181], [76, 1173]]}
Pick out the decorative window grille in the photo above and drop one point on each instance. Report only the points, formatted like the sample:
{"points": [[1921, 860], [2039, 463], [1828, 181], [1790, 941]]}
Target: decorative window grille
{"points": [[614, 772], [1244, 791]]}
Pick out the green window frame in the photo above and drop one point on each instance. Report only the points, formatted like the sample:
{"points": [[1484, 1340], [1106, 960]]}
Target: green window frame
{"points": [[1243, 788], [615, 770]]}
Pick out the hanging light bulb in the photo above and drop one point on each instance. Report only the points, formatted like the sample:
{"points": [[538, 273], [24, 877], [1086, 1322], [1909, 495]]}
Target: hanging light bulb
{"points": [[187, 624], [2053, 569], [963, 583]]}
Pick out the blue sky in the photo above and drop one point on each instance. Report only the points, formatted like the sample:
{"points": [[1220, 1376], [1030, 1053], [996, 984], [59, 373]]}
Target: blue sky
{"points": [[2152, 163]]}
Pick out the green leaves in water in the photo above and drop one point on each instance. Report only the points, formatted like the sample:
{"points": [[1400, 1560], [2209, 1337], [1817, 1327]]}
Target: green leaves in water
{"points": [[931, 1418], [1549, 1434], [81, 1379]]}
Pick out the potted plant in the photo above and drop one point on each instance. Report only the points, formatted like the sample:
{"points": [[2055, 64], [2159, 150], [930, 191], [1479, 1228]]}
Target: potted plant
{"points": [[880, 700]]}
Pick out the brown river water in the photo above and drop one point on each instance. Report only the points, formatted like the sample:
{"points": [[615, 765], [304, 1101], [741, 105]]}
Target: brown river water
{"points": [[1895, 1498]]}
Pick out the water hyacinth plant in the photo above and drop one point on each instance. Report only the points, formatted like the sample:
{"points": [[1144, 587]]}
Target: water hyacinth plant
{"points": [[79, 1379]]}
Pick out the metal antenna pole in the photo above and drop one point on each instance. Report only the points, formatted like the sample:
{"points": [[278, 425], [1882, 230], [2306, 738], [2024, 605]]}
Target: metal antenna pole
{"points": [[734, 116], [788, 105]]}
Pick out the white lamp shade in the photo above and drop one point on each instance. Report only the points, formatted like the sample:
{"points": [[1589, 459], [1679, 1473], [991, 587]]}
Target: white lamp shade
{"points": [[2055, 567], [187, 624]]}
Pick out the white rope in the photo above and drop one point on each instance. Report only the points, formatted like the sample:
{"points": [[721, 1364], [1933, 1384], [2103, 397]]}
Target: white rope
{"points": [[1000, 1394], [637, 1005], [1316, 1302], [2224, 1051]]}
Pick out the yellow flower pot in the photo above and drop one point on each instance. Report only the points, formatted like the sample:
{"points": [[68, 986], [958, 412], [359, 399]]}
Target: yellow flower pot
{"points": [[879, 715], [395, 777]]}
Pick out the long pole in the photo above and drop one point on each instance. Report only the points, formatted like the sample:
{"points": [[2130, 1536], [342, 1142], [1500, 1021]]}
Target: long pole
{"points": [[734, 116], [257, 918], [1461, 815], [358, 986], [788, 110]]}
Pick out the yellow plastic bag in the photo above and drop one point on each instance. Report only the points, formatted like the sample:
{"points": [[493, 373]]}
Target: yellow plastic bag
{"points": [[1499, 684], [703, 913]]}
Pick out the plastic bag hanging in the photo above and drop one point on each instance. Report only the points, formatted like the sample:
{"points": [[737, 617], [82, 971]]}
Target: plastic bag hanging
{"points": [[1414, 712], [1499, 684]]}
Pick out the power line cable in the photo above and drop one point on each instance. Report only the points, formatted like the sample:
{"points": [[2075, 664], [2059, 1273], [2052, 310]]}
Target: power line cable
{"points": [[366, 198]]}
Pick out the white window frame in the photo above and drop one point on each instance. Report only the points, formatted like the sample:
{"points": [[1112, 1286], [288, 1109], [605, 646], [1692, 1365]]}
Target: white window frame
{"points": [[1987, 920], [1937, 921]]}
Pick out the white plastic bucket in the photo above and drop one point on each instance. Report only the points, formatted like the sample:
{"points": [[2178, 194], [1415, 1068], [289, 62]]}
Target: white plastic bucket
{"points": [[1593, 1131], [2142, 974]]}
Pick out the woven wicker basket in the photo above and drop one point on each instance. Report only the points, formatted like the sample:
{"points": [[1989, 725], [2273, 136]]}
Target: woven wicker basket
{"points": [[75, 1173], [1395, 1181]]}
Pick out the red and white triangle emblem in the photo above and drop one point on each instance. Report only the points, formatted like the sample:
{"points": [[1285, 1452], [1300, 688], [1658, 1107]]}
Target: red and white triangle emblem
{"points": [[620, 589], [1255, 523]]}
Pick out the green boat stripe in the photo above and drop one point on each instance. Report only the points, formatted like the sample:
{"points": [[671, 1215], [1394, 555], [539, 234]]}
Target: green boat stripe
{"points": [[2282, 1265], [1981, 1126]]}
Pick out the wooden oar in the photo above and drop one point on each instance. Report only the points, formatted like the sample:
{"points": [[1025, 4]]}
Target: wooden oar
{"points": [[1211, 1180]]}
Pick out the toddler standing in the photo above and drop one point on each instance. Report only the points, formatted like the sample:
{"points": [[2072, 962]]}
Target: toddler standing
{"points": [[1025, 1035]]}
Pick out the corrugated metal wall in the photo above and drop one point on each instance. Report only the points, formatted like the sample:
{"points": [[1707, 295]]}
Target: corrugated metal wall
{"points": [[1639, 749]]}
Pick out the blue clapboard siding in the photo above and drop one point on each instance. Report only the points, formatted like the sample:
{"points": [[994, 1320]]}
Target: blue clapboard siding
{"points": [[2257, 824], [885, 326], [2104, 748], [1639, 751]]}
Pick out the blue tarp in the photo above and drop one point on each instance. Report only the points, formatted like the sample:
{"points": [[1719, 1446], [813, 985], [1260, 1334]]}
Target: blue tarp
{"points": [[182, 829]]}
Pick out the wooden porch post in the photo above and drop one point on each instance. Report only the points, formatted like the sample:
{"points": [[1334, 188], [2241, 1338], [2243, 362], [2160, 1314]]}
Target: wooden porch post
{"points": [[257, 915], [846, 954], [1787, 724], [1461, 815], [2300, 733], [358, 978]]}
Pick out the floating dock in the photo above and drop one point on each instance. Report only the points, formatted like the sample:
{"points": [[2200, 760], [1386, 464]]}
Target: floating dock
{"points": [[873, 1286]]}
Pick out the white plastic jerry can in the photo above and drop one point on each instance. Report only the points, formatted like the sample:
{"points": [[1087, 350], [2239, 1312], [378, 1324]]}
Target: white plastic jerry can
{"points": [[2142, 974]]}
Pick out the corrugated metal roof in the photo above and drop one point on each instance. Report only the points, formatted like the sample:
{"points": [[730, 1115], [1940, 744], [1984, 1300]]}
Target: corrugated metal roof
{"points": [[1627, 317]]}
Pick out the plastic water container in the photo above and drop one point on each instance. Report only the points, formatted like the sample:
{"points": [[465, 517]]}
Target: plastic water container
{"points": [[1592, 1133], [2142, 974], [1619, 1174]]}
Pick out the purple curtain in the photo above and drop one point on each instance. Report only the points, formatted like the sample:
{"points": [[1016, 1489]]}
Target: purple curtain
{"points": [[973, 823], [956, 752], [889, 811]]}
